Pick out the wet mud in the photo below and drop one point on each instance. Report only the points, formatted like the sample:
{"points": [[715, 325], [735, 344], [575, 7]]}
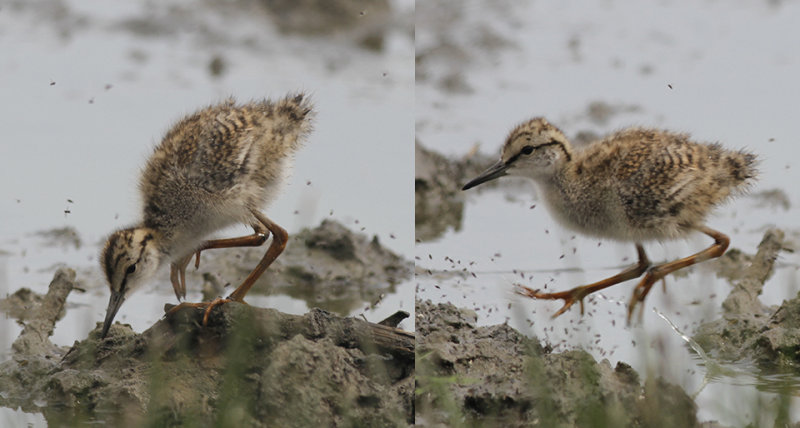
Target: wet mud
{"points": [[247, 367], [496, 376], [451, 47], [438, 199], [748, 330], [329, 267], [365, 22]]}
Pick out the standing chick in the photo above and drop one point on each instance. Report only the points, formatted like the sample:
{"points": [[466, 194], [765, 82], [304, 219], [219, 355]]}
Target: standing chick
{"points": [[217, 167]]}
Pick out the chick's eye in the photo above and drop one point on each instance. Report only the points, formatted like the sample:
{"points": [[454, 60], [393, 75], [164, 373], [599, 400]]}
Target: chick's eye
{"points": [[527, 150], [131, 269]]}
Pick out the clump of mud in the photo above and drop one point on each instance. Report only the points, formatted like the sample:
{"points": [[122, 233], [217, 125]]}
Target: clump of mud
{"points": [[20, 304], [61, 236], [749, 330], [448, 45], [601, 112], [438, 200], [495, 376], [366, 20], [329, 267], [246, 367]]}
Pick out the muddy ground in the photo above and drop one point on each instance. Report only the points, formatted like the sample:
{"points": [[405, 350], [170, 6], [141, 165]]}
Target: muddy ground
{"points": [[496, 376], [248, 367]]}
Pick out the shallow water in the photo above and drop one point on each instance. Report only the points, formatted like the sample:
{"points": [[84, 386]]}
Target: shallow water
{"points": [[720, 72]]}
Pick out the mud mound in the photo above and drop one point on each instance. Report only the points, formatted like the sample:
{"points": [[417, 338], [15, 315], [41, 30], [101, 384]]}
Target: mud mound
{"points": [[495, 376]]}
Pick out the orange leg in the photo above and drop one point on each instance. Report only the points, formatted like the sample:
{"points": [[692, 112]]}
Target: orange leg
{"points": [[178, 269], [655, 273], [578, 293], [177, 275], [276, 247]]}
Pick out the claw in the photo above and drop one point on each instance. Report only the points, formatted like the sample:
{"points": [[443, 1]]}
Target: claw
{"points": [[216, 302], [567, 304], [631, 305], [569, 297], [641, 291]]}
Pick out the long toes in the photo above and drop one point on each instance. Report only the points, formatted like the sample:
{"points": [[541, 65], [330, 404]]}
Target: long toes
{"points": [[207, 313], [207, 305], [629, 312], [171, 311], [212, 305], [174, 309], [631, 308], [567, 305], [525, 291]]}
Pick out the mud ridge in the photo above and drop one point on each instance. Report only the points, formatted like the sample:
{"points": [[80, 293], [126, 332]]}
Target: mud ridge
{"points": [[495, 376]]}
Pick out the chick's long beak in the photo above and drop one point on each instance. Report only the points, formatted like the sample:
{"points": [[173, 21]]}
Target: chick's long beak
{"points": [[113, 306], [494, 171]]}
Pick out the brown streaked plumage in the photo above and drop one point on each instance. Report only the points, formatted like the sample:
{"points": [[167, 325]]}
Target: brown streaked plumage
{"points": [[634, 185], [214, 168]]}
